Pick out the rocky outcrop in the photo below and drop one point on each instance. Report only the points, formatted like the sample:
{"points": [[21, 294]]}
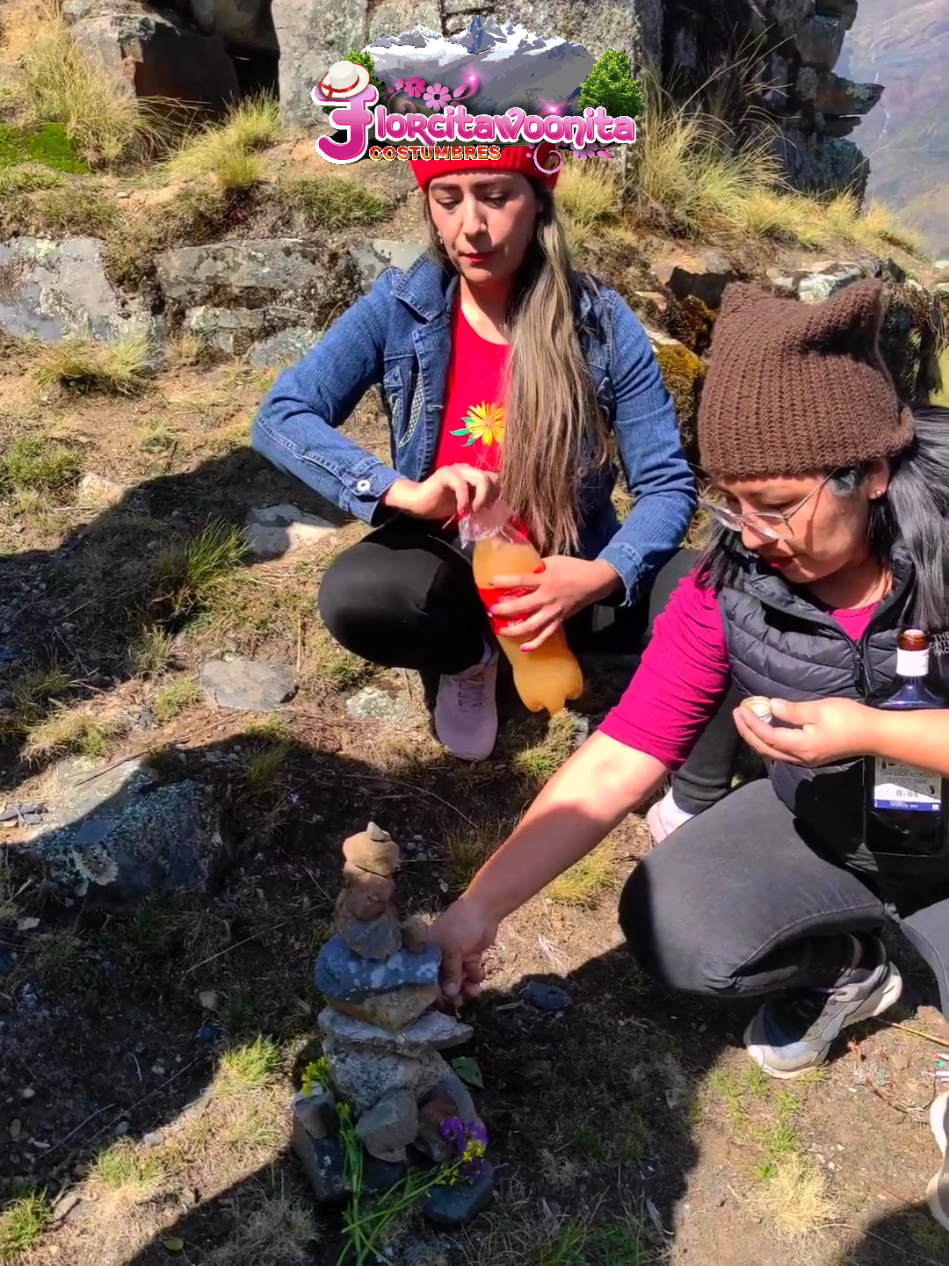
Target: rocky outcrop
{"points": [[58, 289], [155, 55], [777, 58]]}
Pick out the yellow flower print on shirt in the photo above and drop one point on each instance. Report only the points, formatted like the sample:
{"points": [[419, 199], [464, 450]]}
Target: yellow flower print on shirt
{"points": [[485, 422]]}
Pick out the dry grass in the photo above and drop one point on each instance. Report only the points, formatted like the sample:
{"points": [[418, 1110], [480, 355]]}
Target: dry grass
{"points": [[117, 368], [687, 173], [942, 397], [586, 883], [466, 852], [588, 196], [73, 731], [220, 149], [272, 1228], [126, 1174], [794, 1196], [151, 652], [328, 202], [59, 84], [173, 698]]}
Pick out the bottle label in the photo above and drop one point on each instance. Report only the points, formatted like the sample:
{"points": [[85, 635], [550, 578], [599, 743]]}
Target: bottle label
{"points": [[898, 786], [912, 663], [493, 597]]}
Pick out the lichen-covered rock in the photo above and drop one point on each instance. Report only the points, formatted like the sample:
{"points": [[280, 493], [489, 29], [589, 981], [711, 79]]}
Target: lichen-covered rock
{"points": [[343, 975], [58, 289], [122, 838], [683, 373], [291, 282], [362, 1076], [432, 1031], [247, 684]]}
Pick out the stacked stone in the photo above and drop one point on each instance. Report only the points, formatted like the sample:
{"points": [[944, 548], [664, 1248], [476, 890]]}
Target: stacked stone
{"points": [[794, 46], [383, 1043]]}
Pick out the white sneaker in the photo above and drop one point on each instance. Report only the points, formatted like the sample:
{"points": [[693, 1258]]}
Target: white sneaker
{"points": [[664, 817], [937, 1193], [466, 710]]}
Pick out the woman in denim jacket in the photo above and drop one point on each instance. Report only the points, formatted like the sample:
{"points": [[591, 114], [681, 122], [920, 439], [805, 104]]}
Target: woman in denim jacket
{"points": [[489, 343]]}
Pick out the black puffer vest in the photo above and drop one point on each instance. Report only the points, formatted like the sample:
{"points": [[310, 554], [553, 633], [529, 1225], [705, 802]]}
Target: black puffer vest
{"points": [[782, 645]]}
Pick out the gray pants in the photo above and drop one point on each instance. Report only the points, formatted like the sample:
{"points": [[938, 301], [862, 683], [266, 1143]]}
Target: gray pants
{"points": [[737, 903]]}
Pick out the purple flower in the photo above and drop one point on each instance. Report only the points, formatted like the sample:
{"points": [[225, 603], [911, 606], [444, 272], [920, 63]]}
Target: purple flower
{"points": [[437, 96], [452, 1130], [414, 87], [477, 1131]]}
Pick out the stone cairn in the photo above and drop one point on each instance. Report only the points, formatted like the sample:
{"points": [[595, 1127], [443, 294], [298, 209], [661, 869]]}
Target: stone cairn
{"points": [[382, 1046]]}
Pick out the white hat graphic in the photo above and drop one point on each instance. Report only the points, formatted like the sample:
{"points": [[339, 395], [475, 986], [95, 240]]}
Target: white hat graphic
{"points": [[343, 80]]}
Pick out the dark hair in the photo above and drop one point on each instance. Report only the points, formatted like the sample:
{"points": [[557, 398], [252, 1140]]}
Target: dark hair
{"points": [[914, 514]]}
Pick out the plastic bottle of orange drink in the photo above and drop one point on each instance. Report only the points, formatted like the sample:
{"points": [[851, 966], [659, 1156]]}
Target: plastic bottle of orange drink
{"points": [[550, 675]]}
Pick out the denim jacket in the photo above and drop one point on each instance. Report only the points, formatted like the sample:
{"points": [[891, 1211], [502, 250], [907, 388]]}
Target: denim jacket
{"points": [[397, 337]]}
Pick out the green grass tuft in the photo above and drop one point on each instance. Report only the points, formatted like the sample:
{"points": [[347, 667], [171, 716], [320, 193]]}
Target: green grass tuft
{"points": [[329, 202], [82, 365], [22, 1224], [38, 465]]}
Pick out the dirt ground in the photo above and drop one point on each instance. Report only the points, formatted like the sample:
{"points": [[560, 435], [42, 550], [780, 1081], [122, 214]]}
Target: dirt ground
{"points": [[140, 1127]]}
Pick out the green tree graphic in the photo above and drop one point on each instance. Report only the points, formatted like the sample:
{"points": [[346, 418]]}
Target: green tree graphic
{"points": [[610, 84]]}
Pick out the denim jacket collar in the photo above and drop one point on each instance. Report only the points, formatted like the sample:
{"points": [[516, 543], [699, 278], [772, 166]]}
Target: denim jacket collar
{"points": [[429, 290]]}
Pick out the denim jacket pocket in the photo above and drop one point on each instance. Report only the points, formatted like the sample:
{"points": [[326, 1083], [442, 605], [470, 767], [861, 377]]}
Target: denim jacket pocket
{"points": [[392, 397], [415, 397]]}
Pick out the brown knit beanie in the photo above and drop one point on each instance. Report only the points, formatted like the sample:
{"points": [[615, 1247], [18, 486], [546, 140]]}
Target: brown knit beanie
{"points": [[794, 387]]}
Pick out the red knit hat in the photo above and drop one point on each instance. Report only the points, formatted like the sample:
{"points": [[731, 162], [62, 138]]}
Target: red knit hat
{"points": [[518, 158]]}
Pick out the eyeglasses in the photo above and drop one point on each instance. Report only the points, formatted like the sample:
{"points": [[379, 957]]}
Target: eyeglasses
{"points": [[773, 525]]}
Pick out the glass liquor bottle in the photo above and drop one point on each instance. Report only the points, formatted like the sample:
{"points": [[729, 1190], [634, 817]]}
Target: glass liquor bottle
{"points": [[907, 809]]}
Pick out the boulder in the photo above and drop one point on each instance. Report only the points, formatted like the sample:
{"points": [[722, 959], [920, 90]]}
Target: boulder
{"points": [[58, 289], [363, 1076], [277, 530], [703, 274], [241, 24], [819, 40], [816, 163], [432, 1031], [844, 10], [259, 295], [838, 96], [118, 835], [310, 40], [247, 684], [374, 257], [153, 54]]}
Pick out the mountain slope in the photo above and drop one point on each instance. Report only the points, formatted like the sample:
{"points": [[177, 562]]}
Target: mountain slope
{"points": [[906, 137]]}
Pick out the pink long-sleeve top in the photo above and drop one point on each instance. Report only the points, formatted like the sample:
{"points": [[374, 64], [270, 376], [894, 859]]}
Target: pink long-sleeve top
{"points": [[684, 675]]}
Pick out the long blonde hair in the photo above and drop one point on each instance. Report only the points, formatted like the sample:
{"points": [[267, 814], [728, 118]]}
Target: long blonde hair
{"points": [[554, 429]]}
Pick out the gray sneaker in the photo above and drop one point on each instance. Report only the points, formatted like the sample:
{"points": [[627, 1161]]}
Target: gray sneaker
{"points": [[937, 1193], [793, 1033]]}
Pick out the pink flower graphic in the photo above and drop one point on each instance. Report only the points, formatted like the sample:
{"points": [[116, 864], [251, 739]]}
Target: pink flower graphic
{"points": [[414, 87], [437, 96]]}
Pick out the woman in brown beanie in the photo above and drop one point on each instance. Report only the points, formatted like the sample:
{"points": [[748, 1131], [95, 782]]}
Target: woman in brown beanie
{"points": [[831, 535]]}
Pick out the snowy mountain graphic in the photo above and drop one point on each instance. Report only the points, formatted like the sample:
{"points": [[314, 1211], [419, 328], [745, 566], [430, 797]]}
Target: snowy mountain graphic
{"points": [[514, 67]]}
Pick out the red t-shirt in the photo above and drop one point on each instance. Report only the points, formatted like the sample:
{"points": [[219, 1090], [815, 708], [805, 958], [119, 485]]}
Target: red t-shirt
{"points": [[473, 420]]}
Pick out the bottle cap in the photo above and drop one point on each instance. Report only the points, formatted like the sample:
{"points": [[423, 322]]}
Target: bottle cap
{"points": [[759, 705], [913, 640]]}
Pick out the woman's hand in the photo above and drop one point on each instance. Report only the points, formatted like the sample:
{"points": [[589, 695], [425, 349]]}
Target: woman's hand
{"points": [[451, 491], [565, 586], [829, 730], [463, 933]]}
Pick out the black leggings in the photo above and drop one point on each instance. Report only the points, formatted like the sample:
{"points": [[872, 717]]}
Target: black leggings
{"points": [[404, 597]]}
